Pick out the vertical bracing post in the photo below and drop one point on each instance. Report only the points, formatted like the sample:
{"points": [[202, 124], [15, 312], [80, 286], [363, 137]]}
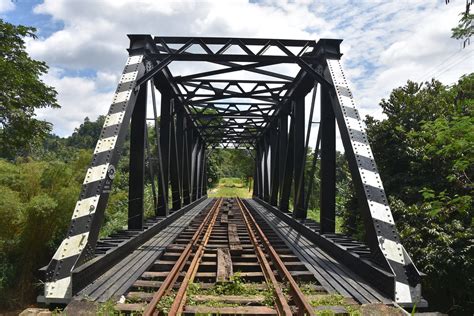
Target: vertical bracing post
{"points": [[285, 191], [136, 180], [161, 205], [328, 164], [180, 140], [165, 152], [174, 162], [266, 176], [282, 148], [274, 179], [299, 153], [187, 162], [259, 169], [255, 174], [195, 166], [202, 170]]}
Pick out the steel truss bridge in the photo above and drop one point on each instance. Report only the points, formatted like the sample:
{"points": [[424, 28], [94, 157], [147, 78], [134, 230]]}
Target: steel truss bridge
{"points": [[259, 95]]}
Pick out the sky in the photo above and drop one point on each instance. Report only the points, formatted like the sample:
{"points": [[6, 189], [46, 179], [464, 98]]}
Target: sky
{"points": [[385, 43]]}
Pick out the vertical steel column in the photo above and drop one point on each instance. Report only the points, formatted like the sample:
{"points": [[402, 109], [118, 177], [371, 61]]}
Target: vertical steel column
{"points": [[282, 148], [299, 152], [165, 151], [201, 170], [255, 174], [174, 162], [136, 180], [187, 174], [266, 188], [161, 205], [288, 170], [180, 139], [328, 164], [196, 162], [258, 168], [204, 173], [274, 167]]}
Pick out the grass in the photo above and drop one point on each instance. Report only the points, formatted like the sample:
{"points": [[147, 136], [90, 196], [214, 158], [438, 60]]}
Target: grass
{"points": [[165, 303], [230, 187], [315, 213], [334, 300], [236, 286]]}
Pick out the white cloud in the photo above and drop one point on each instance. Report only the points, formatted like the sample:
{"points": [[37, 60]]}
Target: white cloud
{"points": [[385, 43], [78, 97], [6, 5]]}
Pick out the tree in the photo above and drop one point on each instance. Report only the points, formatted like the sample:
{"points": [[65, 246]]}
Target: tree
{"points": [[86, 135], [465, 28], [21, 93], [425, 153]]}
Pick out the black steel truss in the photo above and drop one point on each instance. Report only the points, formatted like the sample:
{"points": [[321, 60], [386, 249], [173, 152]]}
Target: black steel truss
{"points": [[231, 94]]}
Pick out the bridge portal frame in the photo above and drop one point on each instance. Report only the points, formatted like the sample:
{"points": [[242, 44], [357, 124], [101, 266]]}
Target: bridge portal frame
{"points": [[199, 112]]}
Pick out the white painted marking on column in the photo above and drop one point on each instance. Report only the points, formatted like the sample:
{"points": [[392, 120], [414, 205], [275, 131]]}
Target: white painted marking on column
{"points": [[96, 173], [105, 144], [402, 293], [362, 150], [129, 76], [381, 212], [392, 250], [135, 59], [58, 289], [122, 96], [71, 246], [86, 206], [355, 124], [114, 119], [371, 178]]}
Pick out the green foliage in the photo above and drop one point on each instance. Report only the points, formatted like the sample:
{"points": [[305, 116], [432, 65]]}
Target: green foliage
{"points": [[107, 308], [165, 303], [22, 93], [230, 187], [425, 153], [465, 28], [86, 135], [36, 199], [230, 163], [334, 300], [236, 286]]}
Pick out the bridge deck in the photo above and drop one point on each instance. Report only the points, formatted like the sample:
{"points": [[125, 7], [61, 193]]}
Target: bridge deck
{"points": [[332, 275], [121, 276]]}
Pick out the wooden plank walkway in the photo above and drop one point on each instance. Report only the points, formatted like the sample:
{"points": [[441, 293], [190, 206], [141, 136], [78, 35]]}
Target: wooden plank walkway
{"points": [[116, 281], [332, 275]]}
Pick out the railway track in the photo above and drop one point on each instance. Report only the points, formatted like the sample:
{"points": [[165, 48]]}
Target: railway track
{"points": [[228, 261]]}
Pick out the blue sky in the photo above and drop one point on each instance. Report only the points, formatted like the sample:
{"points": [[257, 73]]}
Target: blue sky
{"points": [[385, 43]]}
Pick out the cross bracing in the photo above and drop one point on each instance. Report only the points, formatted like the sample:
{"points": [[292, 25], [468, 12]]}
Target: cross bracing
{"points": [[246, 94]]}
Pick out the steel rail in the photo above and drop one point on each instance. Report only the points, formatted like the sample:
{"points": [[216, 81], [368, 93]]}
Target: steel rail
{"points": [[304, 307], [281, 302], [171, 278], [180, 298]]}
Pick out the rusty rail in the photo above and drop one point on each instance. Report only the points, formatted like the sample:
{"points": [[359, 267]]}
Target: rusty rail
{"points": [[180, 299], [282, 306], [170, 280], [304, 307]]}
